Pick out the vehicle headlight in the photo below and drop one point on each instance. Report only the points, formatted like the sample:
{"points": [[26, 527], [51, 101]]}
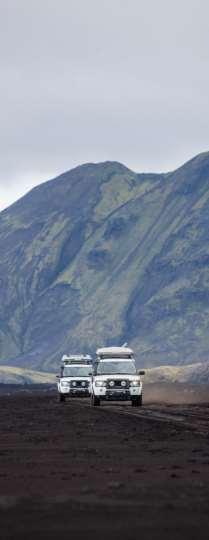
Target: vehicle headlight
{"points": [[64, 384], [123, 383], [73, 383], [100, 383], [83, 383], [111, 383], [135, 382]]}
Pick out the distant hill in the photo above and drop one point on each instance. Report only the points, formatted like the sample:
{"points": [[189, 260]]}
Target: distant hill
{"points": [[102, 255], [15, 375], [194, 373], [191, 374]]}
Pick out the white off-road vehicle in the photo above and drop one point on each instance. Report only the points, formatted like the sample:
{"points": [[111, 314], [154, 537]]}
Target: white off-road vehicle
{"points": [[75, 377], [115, 377]]}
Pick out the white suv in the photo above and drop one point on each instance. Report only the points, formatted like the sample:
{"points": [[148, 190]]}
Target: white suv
{"points": [[75, 377], [115, 377]]}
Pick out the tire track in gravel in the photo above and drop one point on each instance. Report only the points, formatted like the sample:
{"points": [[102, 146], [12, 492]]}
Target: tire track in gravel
{"points": [[185, 418]]}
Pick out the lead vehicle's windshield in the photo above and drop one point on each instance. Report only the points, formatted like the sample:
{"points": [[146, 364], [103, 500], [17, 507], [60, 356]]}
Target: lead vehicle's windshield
{"points": [[76, 371], [116, 368]]}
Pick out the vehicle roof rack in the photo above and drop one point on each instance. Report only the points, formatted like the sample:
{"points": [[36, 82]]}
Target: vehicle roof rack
{"points": [[115, 351], [76, 359]]}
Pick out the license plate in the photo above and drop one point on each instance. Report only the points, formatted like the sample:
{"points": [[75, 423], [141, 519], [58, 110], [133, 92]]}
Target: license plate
{"points": [[117, 391]]}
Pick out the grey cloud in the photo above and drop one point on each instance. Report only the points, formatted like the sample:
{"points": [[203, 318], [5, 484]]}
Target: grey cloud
{"points": [[88, 80]]}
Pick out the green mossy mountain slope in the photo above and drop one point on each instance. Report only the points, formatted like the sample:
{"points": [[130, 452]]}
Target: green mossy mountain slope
{"points": [[102, 255]]}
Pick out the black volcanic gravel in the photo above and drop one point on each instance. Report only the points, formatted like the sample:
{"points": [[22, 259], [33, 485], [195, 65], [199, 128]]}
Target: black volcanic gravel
{"points": [[69, 471]]}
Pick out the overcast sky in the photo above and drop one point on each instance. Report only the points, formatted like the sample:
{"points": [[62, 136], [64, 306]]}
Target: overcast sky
{"points": [[96, 80]]}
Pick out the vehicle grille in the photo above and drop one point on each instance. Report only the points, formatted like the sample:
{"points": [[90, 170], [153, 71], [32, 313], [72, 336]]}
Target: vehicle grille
{"points": [[117, 383], [79, 384]]}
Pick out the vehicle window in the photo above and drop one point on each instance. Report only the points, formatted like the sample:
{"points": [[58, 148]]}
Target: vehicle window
{"points": [[76, 371], [111, 368]]}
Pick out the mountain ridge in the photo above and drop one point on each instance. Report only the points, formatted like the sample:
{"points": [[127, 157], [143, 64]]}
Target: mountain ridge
{"points": [[101, 255]]}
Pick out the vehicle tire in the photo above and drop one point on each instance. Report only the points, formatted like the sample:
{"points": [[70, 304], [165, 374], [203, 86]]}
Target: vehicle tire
{"points": [[95, 401], [137, 402], [61, 398]]}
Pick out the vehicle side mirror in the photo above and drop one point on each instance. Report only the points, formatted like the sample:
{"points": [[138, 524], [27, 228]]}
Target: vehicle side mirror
{"points": [[90, 373], [141, 372], [57, 376]]}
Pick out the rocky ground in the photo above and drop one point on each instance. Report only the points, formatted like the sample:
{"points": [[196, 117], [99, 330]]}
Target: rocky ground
{"points": [[72, 471]]}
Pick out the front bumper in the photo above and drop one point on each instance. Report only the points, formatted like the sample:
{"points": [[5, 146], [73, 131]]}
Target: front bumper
{"points": [[76, 392], [79, 392], [117, 394]]}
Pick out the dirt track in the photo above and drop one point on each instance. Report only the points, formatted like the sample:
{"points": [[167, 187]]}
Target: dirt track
{"points": [[70, 471], [190, 417]]}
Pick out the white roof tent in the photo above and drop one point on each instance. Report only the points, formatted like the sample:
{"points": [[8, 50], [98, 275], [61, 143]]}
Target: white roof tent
{"points": [[114, 352], [76, 359]]}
